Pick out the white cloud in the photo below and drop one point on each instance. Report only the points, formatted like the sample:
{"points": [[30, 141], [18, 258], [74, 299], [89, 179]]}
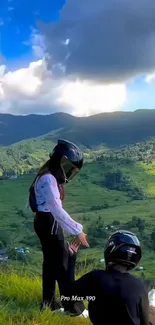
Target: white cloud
{"points": [[86, 98], [42, 89], [74, 54], [36, 42], [35, 90], [150, 77]]}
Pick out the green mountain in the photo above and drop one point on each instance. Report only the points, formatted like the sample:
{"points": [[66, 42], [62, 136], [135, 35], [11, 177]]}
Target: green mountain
{"points": [[110, 129], [26, 156], [16, 128], [109, 181], [116, 190]]}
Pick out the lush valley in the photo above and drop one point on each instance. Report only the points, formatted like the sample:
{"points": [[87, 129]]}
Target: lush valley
{"points": [[114, 190], [26, 156]]}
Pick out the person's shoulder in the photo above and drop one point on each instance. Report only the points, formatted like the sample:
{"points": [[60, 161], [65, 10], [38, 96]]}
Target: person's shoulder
{"points": [[48, 178], [135, 279], [138, 282], [97, 273]]}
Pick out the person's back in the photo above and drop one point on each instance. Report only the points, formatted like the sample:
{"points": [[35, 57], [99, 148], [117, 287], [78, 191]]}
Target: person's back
{"points": [[119, 298]]}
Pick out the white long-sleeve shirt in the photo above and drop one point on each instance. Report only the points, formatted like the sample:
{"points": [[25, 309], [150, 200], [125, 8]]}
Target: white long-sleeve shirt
{"points": [[48, 200]]}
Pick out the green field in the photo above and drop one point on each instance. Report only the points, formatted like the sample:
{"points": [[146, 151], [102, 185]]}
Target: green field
{"points": [[19, 302], [115, 189], [90, 201]]}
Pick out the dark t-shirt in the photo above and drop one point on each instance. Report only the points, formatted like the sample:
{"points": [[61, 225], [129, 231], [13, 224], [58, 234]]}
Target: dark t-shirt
{"points": [[120, 298]]}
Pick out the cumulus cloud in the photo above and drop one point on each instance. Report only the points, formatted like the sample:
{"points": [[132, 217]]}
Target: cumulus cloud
{"points": [[150, 77], [89, 98], [37, 43], [35, 90], [84, 60], [108, 40]]}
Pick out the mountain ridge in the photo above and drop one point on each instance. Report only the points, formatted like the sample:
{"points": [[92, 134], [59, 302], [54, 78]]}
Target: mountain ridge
{"points": [[111, 129]]}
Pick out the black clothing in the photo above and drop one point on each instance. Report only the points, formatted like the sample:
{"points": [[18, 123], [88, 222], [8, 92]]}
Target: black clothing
{"points": [[58, 264], [120, 298]]}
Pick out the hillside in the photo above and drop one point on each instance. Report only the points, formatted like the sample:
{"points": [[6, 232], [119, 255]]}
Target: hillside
{"points": [[19, 300], [112, 192], [115, 189], [109, 129], [26, 156], [16, 128]]}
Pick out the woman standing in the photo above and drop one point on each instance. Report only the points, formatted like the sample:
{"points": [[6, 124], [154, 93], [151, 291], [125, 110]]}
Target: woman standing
{"points": [[46, 196]]}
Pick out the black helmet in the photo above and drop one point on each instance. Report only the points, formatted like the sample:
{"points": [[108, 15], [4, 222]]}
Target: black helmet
{"points": [[123, 247], [70, 158]]}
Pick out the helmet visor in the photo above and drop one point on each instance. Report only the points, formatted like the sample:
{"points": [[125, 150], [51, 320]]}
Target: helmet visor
{"points": [[69, 170]]}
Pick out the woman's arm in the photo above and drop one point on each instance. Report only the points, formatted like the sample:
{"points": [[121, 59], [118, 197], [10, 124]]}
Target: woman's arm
{"points": [[50, 192]]}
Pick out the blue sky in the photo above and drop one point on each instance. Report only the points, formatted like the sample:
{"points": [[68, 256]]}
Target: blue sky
{"points": [[140, 95], [18, 17], [29, 84]]}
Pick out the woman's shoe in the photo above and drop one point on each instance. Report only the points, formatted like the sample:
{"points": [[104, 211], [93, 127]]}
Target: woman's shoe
{"points": [[60, 310], [85, 314]]}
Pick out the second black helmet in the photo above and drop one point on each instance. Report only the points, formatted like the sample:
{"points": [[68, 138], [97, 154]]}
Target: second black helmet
{"points": [[123, 248]]}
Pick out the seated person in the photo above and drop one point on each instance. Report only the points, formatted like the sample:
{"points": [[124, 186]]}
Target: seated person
{"points": [[114, 295]]}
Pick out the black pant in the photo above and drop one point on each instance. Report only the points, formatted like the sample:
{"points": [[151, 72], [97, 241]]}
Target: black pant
{"points": [[58, 263]]}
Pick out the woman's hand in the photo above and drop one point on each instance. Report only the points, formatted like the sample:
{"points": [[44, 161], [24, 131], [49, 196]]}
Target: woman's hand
{"points": [[81, 239]]}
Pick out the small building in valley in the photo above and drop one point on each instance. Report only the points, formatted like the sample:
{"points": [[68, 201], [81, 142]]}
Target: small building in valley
{"points": [[3, 255]]}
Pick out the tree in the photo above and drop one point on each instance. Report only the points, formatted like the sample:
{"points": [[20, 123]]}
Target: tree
{"points": [[153, 239], [97, 232], [4, 238], [113, 180], [140, 225], [116, 223]]}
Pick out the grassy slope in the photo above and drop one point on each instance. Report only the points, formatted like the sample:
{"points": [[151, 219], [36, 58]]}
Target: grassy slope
{"points": [[19, 303], [84, 197], [25, 155], [28, 155], [20, 294], [81, 195], [20, 299]]}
